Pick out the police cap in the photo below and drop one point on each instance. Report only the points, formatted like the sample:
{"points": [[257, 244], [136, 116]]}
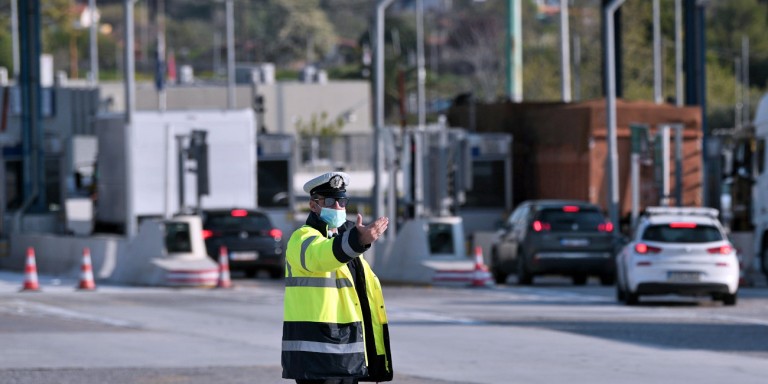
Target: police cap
{"points": [[331, 184]]}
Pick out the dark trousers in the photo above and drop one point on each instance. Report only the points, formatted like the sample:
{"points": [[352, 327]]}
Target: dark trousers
{"points": [[328, 381]]}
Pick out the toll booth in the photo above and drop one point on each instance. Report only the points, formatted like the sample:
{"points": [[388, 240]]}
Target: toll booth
{"points": [[423, 250]]}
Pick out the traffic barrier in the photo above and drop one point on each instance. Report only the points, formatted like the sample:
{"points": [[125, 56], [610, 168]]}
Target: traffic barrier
{"points": [[224, 278], [473, 275], [30, 272], [481, 276], [86, 272]]}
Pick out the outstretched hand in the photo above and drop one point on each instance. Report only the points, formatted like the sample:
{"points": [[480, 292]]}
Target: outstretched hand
{"points": [[369, 233]]}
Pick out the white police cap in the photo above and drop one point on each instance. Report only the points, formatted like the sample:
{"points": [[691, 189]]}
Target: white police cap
{"points": [[331, 184]]}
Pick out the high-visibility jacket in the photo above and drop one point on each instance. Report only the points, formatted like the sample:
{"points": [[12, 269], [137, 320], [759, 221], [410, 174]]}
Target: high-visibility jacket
{"points": [[330, 329]]}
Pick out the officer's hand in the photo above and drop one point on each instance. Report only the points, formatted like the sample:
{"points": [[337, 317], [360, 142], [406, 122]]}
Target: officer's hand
{"points": [[369, 233]]}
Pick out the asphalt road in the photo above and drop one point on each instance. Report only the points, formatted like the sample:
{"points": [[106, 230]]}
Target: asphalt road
{"points": [[552, 332]]}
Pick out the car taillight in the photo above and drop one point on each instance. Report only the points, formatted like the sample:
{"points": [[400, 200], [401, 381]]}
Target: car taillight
{"points": [[207, 233], [605, 227], [682, 225], [276, 234], [239, 213], [571, 208], [722, 250], [644, 249], [539, 226]]}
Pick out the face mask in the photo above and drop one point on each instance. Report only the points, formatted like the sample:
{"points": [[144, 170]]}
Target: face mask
{"points": [[334, 217]]}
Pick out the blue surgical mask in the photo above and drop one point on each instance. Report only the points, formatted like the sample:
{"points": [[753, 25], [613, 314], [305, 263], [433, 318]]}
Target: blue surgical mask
{"points": [[334, 217]]}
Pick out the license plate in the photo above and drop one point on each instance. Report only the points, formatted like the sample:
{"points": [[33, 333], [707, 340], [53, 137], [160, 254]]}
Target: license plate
{"points": [[240, 256], [684, 277], [574, 242]]}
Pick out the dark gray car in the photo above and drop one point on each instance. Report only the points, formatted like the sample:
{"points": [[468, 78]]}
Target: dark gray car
{"points": [[560, 237], [253, 243]]}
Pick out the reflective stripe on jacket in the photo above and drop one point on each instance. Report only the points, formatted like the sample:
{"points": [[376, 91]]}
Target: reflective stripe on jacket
{"points": [[323, 330]]}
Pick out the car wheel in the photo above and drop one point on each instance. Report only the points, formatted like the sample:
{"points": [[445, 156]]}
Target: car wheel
{"points": [[631, 298], [764, 258], [607, 279], [499, 276], [523, 276], [579, 279], [621, 295], [729, 299], [276, 273]]}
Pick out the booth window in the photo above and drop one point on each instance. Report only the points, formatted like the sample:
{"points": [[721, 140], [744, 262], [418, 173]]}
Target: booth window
{"points": [[441, 238], [177, 238]]}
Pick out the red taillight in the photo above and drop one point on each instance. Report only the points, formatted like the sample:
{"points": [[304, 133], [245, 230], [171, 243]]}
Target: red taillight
{"points": [[570, 208], [643, 249], [207, 233], [682, 225], [722, 250], [276, 234], [538, 226], [239, 213], [605, 227]]}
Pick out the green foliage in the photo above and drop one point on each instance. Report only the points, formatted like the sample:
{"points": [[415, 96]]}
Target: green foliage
{"points": [[320, 126]]}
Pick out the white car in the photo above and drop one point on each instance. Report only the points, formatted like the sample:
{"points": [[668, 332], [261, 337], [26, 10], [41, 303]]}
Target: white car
{"points": [[682, 251]]}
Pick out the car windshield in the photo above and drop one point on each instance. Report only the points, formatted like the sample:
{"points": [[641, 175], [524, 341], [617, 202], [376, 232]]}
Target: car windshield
{"points": [[666, 233], [563, 219], [251, 222]]}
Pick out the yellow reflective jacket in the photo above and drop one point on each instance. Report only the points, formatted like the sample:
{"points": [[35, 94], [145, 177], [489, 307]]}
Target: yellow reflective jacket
{"points": [[330, 329]]}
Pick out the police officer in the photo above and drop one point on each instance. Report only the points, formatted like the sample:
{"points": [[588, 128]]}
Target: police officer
{"points": [[334, 322]]}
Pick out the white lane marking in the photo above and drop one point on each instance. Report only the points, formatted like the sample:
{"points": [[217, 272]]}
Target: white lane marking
{"points": [[27, 308]]}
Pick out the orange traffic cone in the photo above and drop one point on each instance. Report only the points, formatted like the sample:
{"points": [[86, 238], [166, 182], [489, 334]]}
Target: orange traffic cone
{"points": [[481, 277], [86, 272], [30, 272], [224, 279]]}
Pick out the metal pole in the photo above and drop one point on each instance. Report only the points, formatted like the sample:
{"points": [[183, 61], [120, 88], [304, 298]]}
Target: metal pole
{"points": [[180, 170], [15, 38], [565, 52], [230, 55], [576, 68], [168, 171], [515, 51], [664, 136], [679, 53], [418, 177], [745, 79], [737, 105], [162, 94], [657, 66], [378, 198], [130, 101], [679, 164], [94, 42], [421, 73], [612, 158]]}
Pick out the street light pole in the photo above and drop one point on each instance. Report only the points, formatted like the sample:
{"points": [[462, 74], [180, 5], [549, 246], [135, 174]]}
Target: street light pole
{"points": [[130, 105], [94, 42], [378, 198], [565, 52], [230, 54], [612, 163]]}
